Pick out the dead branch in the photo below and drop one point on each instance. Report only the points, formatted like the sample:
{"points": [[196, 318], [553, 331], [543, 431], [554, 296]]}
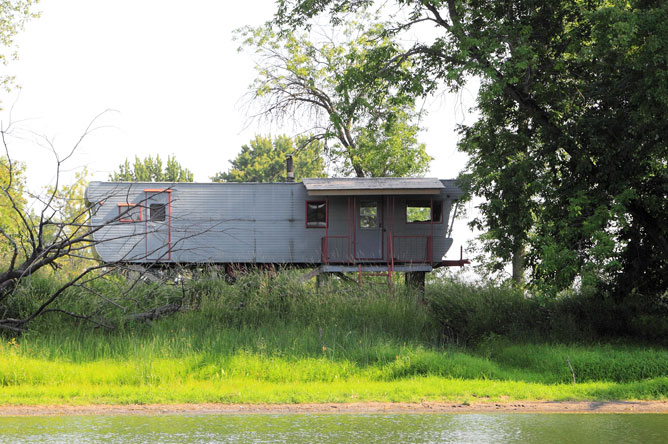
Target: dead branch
{"points": [[59, 234], [155, 313]]}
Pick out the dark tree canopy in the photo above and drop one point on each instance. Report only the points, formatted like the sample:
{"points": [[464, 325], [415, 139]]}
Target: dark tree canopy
{"points": [[263, 160], [571, 147], [151, 170]]}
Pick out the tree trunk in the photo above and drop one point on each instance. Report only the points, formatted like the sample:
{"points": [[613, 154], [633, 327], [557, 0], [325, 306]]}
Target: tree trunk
{"points": [[518, 265]]}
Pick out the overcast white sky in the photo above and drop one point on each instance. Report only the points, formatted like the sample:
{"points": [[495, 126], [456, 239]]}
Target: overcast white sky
{"points": [[172, 74]]}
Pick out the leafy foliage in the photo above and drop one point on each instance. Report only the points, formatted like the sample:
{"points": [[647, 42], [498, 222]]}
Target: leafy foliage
{"points": [[263, 160], [336, 88], [13, 16], [572, 144], [151, 170], [590, 149], [12, 183]]}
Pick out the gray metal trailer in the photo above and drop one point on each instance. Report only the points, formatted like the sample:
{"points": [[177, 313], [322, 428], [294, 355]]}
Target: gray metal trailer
{"points": [[338, 225]]}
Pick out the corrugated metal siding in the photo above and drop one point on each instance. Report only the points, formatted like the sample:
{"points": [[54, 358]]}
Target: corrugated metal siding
{"points": [[240, 222]]}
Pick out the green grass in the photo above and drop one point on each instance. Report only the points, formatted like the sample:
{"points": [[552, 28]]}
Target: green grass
{"points": [[414, 374], [270, 340]]}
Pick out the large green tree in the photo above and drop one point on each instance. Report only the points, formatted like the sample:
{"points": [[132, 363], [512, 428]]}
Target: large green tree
{"points": [[573, 99], [501, 169], [595, 202], [263, 160], [331, 84], [151, 170]]}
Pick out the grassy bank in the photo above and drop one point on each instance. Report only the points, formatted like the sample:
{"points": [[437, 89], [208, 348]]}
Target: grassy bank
{"points": [[272, 340]]}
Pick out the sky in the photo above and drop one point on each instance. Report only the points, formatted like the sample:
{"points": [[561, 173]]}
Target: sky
{"points": [[158, 77]]}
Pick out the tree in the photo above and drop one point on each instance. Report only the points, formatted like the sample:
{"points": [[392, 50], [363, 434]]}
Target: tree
{"points": [[335, 88], [589, 159], [501, 170], [581, 86], [263, 160], [12, 182], [13, 16], [151, 170], [55, 236]]}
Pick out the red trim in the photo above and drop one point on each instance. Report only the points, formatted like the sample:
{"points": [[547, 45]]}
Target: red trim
{"points": [[430, 241], [354, 221], [389, 224], [323, 250], [169, 226], [326, 202], [430, 249], [390, 253], [455, 263], [351, 227], [141, 214], [381, 227], [430, 210]]}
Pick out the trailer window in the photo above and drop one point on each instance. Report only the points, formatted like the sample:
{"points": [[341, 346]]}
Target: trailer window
{"points": [[316, 214], [129, 212], [368, 214], [419, 211], [157, 212]]}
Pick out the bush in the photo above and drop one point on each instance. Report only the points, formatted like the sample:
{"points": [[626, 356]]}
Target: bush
{"points": [[468, 313]]}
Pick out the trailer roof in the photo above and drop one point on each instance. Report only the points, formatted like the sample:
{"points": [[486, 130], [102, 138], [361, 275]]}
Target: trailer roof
{"points": [[372, 185]]}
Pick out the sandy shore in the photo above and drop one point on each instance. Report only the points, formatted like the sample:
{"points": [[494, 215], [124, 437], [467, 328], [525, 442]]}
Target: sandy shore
{"points": [[362, 408]]}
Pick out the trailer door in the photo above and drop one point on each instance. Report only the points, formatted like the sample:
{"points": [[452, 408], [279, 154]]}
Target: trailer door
{"points": [[369, 229], [158, 225]]}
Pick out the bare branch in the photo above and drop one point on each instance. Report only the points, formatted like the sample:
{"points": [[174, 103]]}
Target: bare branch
{"points": [[78, 316]]}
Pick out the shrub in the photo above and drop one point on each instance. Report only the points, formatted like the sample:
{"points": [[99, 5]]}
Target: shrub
{"points": [[468, 312]]}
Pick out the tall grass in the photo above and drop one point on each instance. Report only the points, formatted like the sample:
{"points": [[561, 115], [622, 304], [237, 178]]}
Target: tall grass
{"points": [[468, 313], [260, 314], [268, 338]]}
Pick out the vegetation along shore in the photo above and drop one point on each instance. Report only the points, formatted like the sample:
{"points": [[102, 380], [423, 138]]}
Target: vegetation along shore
{"points": [[270, 339]]}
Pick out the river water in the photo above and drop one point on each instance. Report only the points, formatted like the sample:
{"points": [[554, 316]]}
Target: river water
{"points": [[329, 428]]}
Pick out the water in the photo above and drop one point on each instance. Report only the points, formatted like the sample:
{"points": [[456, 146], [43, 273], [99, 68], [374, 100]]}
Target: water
{"points": [[386, 429]]}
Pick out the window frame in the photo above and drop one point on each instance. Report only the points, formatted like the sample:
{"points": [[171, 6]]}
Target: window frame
{"points": [[376, 205], [306, 221], [120, 212], [430, 204]]}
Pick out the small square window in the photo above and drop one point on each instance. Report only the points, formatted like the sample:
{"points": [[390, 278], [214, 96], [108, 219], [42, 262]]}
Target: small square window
{"points": [[419, 211], [316, 214], [368, 214], [129, 213], [157, 212]]}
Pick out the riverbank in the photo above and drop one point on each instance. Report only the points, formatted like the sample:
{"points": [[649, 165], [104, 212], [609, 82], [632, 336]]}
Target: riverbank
{"points": [[272, 342], [348, 408]]}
